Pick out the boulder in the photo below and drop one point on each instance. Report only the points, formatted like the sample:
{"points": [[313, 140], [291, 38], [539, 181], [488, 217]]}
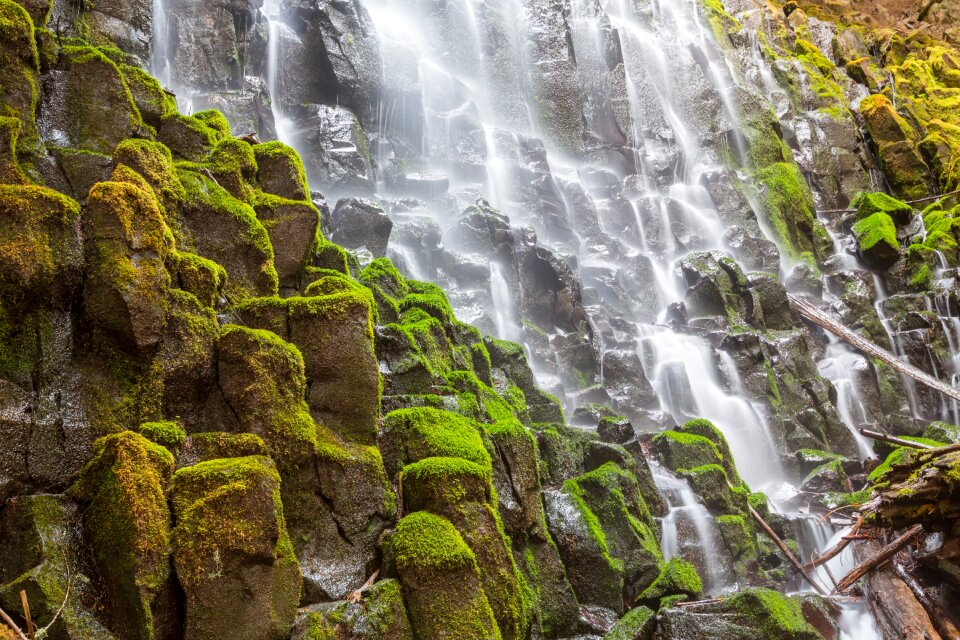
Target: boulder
{"points": [[232, 552], [334, 148], [379, 616], [293, 230], [877, 241], [358, 222]]}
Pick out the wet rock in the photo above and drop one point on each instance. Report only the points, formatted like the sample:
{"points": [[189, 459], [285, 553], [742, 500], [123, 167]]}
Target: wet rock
{"points": [[204, 44], [187, 137], [127, 25], [292, 229], [232, 552], [877, 241], [335, 150], [280, 171], [358, 222], [756, 254], [903, 165], [86, 103], [342, 63], [127, 521], [379, 616], [126, 242], [440, 580], [248, 108], [83, 169]]}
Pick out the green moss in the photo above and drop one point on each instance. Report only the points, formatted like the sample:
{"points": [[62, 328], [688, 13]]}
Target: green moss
{"points": [[152, 101], [868, 204], [774, 614], [877, 236], [681, 450], [126, 518], [234, 165], [440, 579], [789, 205], [897, 457], [154, 162], [678, 577], [432, 483], [426, 432], [187, 137], [637, 623], [281, 170], [166, 434], [214, 120], [204, 278], [328, 255]]}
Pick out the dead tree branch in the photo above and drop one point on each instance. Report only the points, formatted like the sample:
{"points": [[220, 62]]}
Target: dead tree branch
{"points": [[786, 551], [880, 558]]}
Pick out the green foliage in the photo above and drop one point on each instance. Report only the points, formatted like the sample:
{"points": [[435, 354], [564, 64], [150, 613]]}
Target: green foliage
{"points": [[166, 434]]}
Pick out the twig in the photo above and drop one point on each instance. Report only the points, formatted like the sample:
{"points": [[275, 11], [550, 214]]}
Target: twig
{"points": [[900, 442], [696, 602], [837, 549], [25, 603], [357, 595], [884, 554], [833, 511], [41, 633], [786, 550], [10, 623], [917, 201], [944, 627]]}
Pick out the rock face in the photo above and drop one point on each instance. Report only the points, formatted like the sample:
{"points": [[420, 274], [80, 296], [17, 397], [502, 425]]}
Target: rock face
{"points": [[231, 410]]}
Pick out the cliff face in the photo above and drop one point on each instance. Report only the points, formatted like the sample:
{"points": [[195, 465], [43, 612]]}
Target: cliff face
{"points": [[225, 413]]}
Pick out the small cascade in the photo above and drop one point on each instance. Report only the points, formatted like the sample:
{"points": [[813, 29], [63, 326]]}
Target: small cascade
{"points": [[503, 308], [690, 532]]}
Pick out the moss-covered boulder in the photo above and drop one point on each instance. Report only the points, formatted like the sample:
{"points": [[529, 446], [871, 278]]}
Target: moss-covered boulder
{"points": [[380, 615], [204, 279], [606, 536], [637, 624], [293, 227], [896, 140], [154, 162], [123, 490], [678, 578], [91, 106], [413, 434], [440, 580], [19, 68], [460, 491], [788, 203], [186, 136], [10, 172], [40, 250], [232, 552], [125, 243], [152, 101], [280, 171], [225, 230], [867, 204], [679, 450], [754, 614], [877, 241], [39, 546]]}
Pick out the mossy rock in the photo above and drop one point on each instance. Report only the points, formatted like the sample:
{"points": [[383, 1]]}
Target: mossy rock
{"points": [[187, 137], [19, 67], [877, 241], [679, 450], [40, 252], [203, 278], [440, 581], [789, 206], [294, 229], [10, 171], [757, 614], [127, 284], [381, 615], [907, 173], [92, 106], [942, 432], [211, 445], [83, 169], [678, 577], [167, 434], [39, 544], [637, 624], [123, 490], [225, 230], [215, 121], [154, 162], [718, 494], [459, 490], [413, 434], [707, 429], [280, 171], [868, 204], [262, 380], [152, 101], [231, 551], [234, 167]]}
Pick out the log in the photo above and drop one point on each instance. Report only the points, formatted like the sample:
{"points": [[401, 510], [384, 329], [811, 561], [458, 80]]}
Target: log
{"points": [[900, 442], [946, 629], [880, 558], [786, 551], [854, 339], [838, 548]]}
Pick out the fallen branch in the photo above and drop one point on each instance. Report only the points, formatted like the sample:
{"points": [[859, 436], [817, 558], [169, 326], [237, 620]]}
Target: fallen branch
{"points": [[838, 548], [917, 201], [698, 602], [10, 623], [945, 628], [829, 323], [25, 603], [900, 442], [880, 558], [786, 550], [42, 633], [357, 595]]}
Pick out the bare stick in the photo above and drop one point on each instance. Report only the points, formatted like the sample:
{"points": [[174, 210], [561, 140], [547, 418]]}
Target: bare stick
{"points": [[880, 558], [918, 200], [838, 548], [357, 595], [854, 339], [786, 550], [945, 628], [26, 614], [900, 442], [41, 633], [10, 623]]}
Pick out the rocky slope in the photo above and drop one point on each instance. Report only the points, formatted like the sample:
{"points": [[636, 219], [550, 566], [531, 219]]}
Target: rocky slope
{"points": [[225, 413]]}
